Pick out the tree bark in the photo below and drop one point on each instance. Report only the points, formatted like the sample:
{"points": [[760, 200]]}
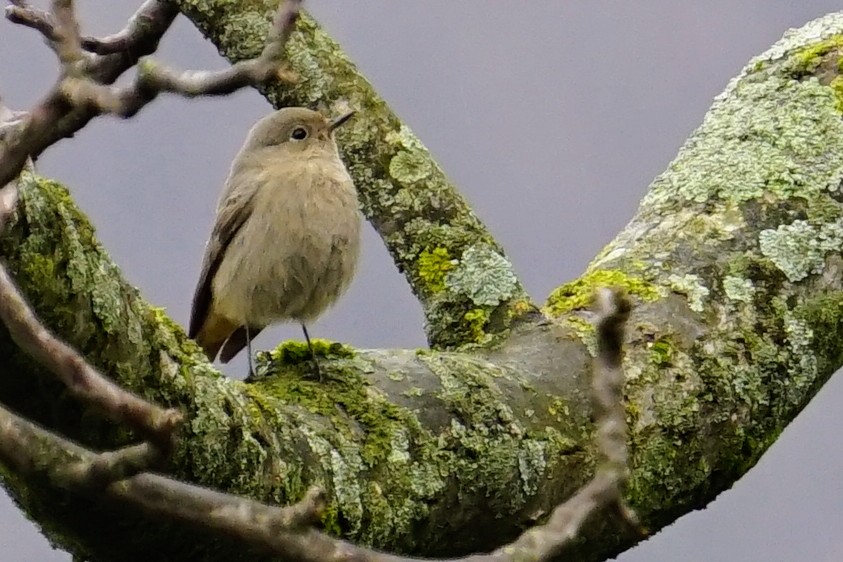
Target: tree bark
{"points": [[732, 260]]}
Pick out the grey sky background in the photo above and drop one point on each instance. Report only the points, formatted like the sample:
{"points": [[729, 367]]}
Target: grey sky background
{"points": [[552, 117]]}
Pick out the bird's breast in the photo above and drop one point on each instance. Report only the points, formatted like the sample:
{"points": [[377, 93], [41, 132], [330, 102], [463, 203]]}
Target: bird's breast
{"points": [[298, 251]]}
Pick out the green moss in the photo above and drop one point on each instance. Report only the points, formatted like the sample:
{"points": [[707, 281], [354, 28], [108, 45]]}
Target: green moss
{"points": [[292, 352], [661, 352], [475, 321], [345, 397], [824, 316], [434, 264], [363, 432], [837, 86], [664, 472], [579, 294], [808, 59], [330, 520]]}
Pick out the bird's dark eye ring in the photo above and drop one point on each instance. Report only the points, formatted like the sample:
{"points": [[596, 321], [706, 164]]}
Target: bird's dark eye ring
{"points": [[299, 133]]}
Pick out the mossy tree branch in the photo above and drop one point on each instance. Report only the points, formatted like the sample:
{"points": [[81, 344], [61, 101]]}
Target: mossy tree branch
{"points": [[733, 259]]}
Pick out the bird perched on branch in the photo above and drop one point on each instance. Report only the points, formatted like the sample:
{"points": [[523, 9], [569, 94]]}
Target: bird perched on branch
{"points": [[286, 238]]}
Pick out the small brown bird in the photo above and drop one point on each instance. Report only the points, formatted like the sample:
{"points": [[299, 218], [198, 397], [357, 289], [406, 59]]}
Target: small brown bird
{"points": [[286, 238]]}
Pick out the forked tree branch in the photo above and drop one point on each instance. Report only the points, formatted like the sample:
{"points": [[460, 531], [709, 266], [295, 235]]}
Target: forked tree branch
{"points": [[122, 474], [30, 450], [152, 15]]}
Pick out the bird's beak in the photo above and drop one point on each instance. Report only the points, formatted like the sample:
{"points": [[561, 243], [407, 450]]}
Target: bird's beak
{"points": [[340, 120]]}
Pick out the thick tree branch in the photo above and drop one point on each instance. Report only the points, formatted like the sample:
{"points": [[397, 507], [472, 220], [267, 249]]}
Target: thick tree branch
{"points": [[286, 531], [732, 261]]}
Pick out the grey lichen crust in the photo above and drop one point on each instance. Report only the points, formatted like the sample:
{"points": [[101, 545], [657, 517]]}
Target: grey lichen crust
{"points": [[403, 191]]}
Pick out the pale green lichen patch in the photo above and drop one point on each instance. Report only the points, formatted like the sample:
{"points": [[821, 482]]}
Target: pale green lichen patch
{"points": [[691, 286], [738, 289], [779, 137], [410, 167], [579, 294], [483, 275], [798, 249]]}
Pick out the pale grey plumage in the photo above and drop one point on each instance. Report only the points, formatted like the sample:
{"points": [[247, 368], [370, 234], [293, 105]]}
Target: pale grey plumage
{"points": [[286, 240]]}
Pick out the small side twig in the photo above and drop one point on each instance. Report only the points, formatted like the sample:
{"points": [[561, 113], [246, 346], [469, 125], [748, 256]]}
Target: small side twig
{"points": [[83, 91], [86, 383], [22, 14], [83, 381], [66, 30], [108, 467], [29, 449]]}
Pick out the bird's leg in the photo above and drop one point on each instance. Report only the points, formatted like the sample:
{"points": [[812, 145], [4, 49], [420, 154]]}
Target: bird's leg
{"points": [[249, 351], [312, 354]]}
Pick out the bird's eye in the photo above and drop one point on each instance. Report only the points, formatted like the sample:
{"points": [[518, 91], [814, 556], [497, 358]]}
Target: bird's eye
{"points": [[299, 133]]}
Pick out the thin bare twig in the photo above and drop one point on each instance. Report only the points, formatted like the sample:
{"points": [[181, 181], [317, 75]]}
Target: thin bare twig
{"points": [[53, 118], [153, 79], [22, 14], [81, 379], [151, 14], [83, 91], [29, 449], [148, 15], [86, 383]]}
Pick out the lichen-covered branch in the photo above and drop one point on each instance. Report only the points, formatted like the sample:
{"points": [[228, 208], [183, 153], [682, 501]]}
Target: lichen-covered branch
{"points": [[466, 285], [737, 245], [81, 380], [732, 260], [120, 475], [398, 439]]}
